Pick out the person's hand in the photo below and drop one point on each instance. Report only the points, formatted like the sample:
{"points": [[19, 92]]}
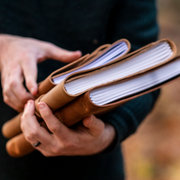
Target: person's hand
{"points": [[91, 137], [18, 63]]}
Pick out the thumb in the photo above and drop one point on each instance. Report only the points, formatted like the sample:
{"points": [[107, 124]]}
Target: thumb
{"points": [[95, 125], [60, 54]]}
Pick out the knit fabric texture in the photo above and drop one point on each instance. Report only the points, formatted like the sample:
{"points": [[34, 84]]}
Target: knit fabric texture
{"points": [[79, 25]]}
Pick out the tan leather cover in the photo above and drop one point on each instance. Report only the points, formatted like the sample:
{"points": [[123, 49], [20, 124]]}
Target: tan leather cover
{"points": [[48, 84], [12, 127], [58, 97], [75, 111], [82, 106], [18, 146]]}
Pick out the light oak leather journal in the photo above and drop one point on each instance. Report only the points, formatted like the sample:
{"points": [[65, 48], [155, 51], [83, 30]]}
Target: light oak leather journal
{"points": [[102, 56], [98, 90]]}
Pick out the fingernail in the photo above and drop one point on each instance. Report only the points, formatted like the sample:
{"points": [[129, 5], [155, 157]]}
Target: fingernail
{"points": [[41, 106], [78, 51], [29, 103], [33, 91]]}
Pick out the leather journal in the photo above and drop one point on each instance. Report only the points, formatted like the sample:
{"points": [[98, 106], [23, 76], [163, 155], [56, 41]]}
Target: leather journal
{"points": [[98, 90], [102, 56]]}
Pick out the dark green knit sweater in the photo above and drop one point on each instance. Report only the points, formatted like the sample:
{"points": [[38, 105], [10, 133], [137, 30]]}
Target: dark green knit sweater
{"points": [[82, 25]]}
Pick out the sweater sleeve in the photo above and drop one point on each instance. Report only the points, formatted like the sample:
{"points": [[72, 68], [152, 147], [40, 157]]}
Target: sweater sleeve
{"points": [[126, 119], [134, 20]]}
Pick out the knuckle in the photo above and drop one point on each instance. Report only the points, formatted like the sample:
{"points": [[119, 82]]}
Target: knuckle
{"points": [[6, 92], [31, 135], [12, 83], [55, 150], [34, 132], [25, 56], [28, 137], [14, 66], [23, 98], [55, 127], [5, 98], [24, 116], [70, 145], [8, 101]]}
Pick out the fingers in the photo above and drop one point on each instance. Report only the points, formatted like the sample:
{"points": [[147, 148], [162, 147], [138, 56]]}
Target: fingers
{"points": [[62, 141], [34, 133], [53, 124], [31, 128], [95, 125], [14, 93], [60, 54], [29, 109], [19, 57]]}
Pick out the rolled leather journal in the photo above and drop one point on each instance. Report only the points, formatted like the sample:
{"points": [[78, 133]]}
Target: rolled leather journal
{"points": [[101, 99], [12, 127]]}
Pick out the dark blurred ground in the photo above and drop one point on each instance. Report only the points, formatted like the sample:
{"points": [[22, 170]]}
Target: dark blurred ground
{"points": [[153, 153]]}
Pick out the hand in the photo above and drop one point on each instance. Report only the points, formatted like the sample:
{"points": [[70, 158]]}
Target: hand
{"points": [[91, 137], [18, 62]]}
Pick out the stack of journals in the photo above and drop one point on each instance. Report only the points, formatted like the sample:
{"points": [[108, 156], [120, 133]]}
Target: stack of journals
{"points": [[99, 82]]}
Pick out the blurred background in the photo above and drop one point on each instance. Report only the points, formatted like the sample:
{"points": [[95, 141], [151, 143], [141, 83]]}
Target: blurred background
{"points": [[153, 152]]}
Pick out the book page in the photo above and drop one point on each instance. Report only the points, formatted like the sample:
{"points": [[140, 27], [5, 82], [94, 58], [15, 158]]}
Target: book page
{"points": [[147, 59], [114, 52], [105, 95]]}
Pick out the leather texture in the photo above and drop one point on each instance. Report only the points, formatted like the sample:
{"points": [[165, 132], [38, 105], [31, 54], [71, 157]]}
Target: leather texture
{"points": [[72, 113], [72, 109], [12, 127]]}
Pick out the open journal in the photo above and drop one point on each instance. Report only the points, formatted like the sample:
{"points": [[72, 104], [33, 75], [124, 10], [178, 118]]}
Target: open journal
{"points": [[109, 78]]}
